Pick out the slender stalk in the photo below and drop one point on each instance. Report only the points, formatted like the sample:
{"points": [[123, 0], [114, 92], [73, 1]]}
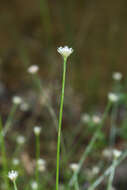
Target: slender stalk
{"points": [[90, 145], [111, 176], [76, 184], [37, 157], [59, 126], [113, 125], [10, 119], [15, 186], [3, 155]]}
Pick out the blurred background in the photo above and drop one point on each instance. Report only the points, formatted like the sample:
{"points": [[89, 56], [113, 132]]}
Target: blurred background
{"points": [[30, 32]]}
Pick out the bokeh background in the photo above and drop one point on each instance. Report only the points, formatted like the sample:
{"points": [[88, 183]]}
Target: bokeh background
{"points": [[30, 32]]}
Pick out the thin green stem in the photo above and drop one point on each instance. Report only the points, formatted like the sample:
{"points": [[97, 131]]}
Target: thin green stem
{"points": [[76, 184], [60, 124], [37, 156], [10, 119], [113, 125], [15, 186], [111, 176], [3, 155]]}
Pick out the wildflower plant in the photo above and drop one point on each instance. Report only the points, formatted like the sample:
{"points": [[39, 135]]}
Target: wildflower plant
{"points": [[12, 175], [65, 52]]}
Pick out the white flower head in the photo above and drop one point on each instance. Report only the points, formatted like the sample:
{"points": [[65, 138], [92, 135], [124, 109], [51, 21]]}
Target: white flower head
{"points": [[20, 139], [17, 100], [37, 130], [85, 118], [95, 170], [96, 119], [24, 106], [113, 97], [34, 185], [15, 161], [74, 167], [117, 76], [116, 153], [41, 163], [33, 69], [107, 153], [65, 51], [12, 175]]}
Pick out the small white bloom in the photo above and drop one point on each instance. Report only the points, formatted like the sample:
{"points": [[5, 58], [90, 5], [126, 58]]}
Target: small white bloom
{"points": [[113, 97], [37, 130], [34, 185], [96, 119], [107, 153], [74, 167], [24, 107], [33, 69], [16, 100], [85, 118], [95, 170], [117, 76], [65, 51], [20, 139], [116, 153], [15, 161], [13, 175], [41, 163]]}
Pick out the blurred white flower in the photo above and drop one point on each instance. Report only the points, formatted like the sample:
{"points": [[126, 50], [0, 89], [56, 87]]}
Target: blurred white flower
{"points": [[24, 106], [95, 170], [12, 175], [37, 130], [20, 139], [116, 153], [107, 153], [41, 163], [85, 118], [65, 51], [117, 76], [16, 100], [96, 119], [33, 69], [34, 185], [74, 166], [15, 161], [113, 97]]}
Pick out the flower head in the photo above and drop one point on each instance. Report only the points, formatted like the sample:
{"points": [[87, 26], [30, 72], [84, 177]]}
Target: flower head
{"points": [[65, 51], [41, 163], [37, 130], [33, 69], [15, 161], [12, 175], [117, 76], [116, 153], [20, 139], [113, 97], [17, 100], [34, 185], [96, 119], [74, 167]]}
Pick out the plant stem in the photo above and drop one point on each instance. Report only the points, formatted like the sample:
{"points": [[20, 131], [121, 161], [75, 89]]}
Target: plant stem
{"points": [[111, 176], [59, 126], [15, 186], [37, 157], [3, 155]]}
